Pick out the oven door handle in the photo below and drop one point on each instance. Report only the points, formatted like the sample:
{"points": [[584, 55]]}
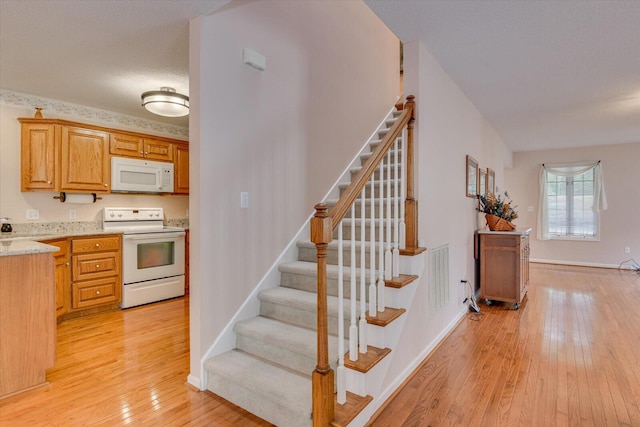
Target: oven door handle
{"points": [[155, 236]]}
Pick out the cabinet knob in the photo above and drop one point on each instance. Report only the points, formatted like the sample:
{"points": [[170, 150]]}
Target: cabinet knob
{"points": [[142, 152], [48, 182], [97, 265], [97, 245], [66, 263], [106, 185], [97, 292], [146, 152]]}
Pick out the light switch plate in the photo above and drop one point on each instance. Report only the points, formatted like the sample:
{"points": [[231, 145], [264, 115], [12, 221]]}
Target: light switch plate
{"points": [[73, 214], [244, 200]]}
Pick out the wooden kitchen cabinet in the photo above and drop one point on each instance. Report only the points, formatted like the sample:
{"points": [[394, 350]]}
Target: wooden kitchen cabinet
{"points": [[139, 147], [38, 157], [96, 271], [85, 164], [62, 264], [504, 265], [65, 156], [27, 321], [181, 169]]}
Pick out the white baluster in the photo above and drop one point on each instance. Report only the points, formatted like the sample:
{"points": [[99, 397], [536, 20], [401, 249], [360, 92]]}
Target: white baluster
{"points": [[396, 223], [362, 336], [387, 253], [403, 227], [342, 389], [381, 285], [372, 251], [353, 329]]}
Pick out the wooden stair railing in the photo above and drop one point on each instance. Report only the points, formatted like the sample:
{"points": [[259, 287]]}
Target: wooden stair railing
{"points": [[323, 225]]}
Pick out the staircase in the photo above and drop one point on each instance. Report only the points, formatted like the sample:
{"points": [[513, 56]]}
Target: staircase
{"points": [[269, 372]]}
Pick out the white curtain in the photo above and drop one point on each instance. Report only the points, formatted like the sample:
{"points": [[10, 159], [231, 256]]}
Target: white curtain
{"points": [[568, 169]]}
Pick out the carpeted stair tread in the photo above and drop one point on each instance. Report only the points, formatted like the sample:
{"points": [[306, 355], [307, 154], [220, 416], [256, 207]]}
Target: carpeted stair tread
{"points": [[269, 390], [283, 343], [302, 300]]}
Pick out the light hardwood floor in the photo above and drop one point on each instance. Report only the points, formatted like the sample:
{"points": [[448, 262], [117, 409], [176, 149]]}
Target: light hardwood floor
{"points": [[123, 368], [569, 356]]}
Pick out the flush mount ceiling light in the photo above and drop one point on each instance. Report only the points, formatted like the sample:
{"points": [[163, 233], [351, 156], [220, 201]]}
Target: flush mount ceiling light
{"points": [[166, 102]]}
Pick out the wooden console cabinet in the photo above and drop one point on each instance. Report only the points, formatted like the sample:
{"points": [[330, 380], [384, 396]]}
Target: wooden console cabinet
{"points": [[504, 265]]}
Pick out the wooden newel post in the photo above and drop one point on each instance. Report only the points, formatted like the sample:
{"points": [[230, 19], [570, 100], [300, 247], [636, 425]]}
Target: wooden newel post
{"points": [[322, 377], [411, 204]]}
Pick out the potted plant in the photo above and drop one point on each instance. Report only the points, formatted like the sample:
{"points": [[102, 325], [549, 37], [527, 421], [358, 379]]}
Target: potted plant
{"points": [[498, 212]]}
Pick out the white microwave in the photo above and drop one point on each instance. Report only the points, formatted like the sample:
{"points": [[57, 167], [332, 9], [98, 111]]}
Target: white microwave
{"points": [[141, 176]]}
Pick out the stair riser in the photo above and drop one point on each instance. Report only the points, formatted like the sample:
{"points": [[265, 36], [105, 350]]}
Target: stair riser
{"points": [[255, 403], [309, 255], [309, 284], [346, 232], [376, 191], [365, 157], [367, 209], [305, 364], [300, 317], [374, 145], [376, 174]]}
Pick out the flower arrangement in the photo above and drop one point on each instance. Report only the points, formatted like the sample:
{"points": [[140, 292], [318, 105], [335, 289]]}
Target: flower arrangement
{"points": [[501, 208]]}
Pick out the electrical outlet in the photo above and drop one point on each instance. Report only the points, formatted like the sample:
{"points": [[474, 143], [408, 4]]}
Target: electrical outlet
{"points": [[627, 250], [73, 214], [33, 214], [244, 199]]}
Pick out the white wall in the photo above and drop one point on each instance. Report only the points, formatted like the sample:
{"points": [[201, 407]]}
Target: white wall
{"points": [[13, 203], [283, 135], [448, 128], [618, 224]]}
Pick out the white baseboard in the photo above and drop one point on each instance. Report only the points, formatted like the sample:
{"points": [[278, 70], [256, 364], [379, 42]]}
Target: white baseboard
{"points": [[195, 381], [574, 263]]}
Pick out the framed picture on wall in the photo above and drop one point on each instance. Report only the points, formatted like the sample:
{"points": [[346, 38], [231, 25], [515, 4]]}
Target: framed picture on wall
{"points": [[482, 182], [472, 177], [491, 181]]}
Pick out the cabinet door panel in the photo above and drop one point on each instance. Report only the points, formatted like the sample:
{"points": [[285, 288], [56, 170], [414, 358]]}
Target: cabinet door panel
{"points": [[38, 156], [93, 266], [158, 150], [181, 163], [125, 145], [85, 160], [95, 292]]}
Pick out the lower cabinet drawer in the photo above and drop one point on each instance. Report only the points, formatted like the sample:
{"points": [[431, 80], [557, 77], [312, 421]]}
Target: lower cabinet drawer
{"points": [[95, 266], [95, 292]]}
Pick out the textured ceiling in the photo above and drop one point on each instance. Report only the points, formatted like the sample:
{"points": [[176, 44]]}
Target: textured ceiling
{"points": [[101, 54], [545, 74]]}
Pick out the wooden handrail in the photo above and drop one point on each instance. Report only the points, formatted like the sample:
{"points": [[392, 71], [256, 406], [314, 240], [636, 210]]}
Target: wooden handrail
{"points": [[360, 180], [322, 226]]}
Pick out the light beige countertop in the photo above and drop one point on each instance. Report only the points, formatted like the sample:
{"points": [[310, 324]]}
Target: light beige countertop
{"points": [[9, 247]]}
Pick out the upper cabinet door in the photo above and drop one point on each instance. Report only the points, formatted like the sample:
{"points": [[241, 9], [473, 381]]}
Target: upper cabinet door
{"points": [[38, 157], [125, 145], [181, 169], [158, 150], [85, 160]]}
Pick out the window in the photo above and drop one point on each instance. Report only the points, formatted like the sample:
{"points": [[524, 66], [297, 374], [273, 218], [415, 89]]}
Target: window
{"points": [[571, 198]]}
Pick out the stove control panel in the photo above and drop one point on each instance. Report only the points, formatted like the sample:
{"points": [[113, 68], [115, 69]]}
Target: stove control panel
{"points": [[132, 214]]}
